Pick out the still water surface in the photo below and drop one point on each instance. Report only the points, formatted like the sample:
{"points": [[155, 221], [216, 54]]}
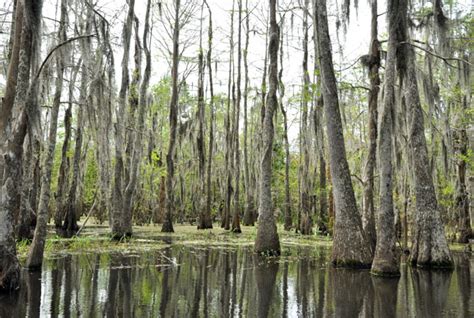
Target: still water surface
{"points": [[233, 282]]}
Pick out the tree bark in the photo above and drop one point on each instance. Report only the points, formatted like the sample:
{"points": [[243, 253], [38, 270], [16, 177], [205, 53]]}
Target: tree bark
{"points": [[462, 195], [200, 141], [429, 246], [249, 213], [385, 261], [288, 218], [236, 215], [228, 129], [267, 241], [26, 218], [69, 226], [259, 128], [319, 135], [350, 246], [162, 199], [368, 219], [173, 119], [206, 219], [35, 254], [138, 99], [8, 100], [116, 215], [306, 220], [63, 168], [102, 102], [12, 146]]}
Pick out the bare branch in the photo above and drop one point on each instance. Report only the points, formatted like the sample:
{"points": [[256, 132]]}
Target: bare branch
{"points": [[58, 47]]}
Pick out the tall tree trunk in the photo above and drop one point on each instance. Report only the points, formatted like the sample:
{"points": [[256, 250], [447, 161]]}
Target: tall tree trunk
{"points": [[228, 128], [319, 135], [14, 126], [31, 171], [6, 106], [305, 221], [249, 213], [133, 146], [131, 121], [462, 195], [200, 138], [17, 44], [12, 146], [64, 167], [267, 241], [116, 215], [236, 216], [288, 218], [173, 119], [70, 226], [26, 219], [206, 219], [201, 113], [35, 254], [264, 79], [429, 246], [331, 214], [323, 188], [138, 100], [350, 246], [385, 261], [368, 220], [259, 128], [99, 101], [161, 198]]}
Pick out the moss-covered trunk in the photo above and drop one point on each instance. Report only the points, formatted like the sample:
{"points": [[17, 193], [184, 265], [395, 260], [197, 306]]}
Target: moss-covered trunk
{"points": [[350, 247], [267, 240]]}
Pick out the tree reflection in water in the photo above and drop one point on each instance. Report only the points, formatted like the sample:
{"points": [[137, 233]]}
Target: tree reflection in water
{"points": [[431, 291], [385, 296], [233, 282], [265, 272]]}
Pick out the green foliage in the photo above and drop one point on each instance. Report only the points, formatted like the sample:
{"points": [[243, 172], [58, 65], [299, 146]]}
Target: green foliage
{"points": [[468, 158], [446, 193], [91, 176], [22, 247]]}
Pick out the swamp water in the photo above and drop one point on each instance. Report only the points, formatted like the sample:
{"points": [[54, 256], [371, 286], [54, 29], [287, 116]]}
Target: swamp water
{"points": [[182, 281]]}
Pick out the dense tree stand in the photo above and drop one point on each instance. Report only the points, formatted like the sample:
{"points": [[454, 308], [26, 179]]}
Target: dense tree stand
{"points": [[167, 126]]}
